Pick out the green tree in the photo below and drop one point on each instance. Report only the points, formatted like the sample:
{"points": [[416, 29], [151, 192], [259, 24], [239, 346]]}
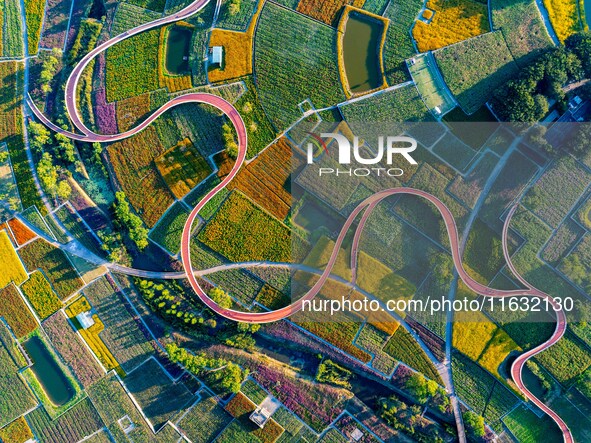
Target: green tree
{"points": [[220, 297], [474, 424], [64, 190], [47, 173], [135, 227]]}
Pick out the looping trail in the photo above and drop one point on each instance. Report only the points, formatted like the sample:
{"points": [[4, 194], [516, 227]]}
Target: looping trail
{"points": [[366, 206]]}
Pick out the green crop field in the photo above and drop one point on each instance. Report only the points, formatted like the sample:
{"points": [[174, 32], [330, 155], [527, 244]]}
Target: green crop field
{"points": [[474, 68], [39, 293], [527, 427], [522, 27], [288, 72], [167, 232], [55, 265]]}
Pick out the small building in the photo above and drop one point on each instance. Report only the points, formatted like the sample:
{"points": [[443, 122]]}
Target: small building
{"points": [[356, 435], [216, 55], [85, 319], [437, 110], [260, 416]]}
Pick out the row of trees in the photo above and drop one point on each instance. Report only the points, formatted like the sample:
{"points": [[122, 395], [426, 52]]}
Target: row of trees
{"points": [[527, 97], [127, 219]]}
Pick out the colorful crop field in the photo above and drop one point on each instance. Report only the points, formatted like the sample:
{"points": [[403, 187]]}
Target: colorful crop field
{"points": [[241, 231], [40, 294], [15, 311], [132, 66], [158, 396], [264, 179], [12, 32], [380, 281], [562, 242], [55, 26], [137, 175], [564, 17], [16, 432], [16, 398], [403, 347], [399, 45], [132, 110], [237, 48], [286, 71], [34, 10], [527, 427], [182, 167], [21, 233], [11, 268], [204, 421], [124, 335], [325, 11], [91, 334], [554, 194], [73, 352], [454, 21], [522, 27], [475, 68], [167, 232], [55, 265], [73, 425], [11, 131]]}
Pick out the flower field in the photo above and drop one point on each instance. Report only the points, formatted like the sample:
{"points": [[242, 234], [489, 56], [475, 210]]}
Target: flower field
{"points": [[204, 421], [272, 298], [182, 168], [16, 312], [527, 427], [21, 233], [91, 335], [12, 33], [454, 21], [202, 125], [468, 189], [34, 10], [70, 348], [564, 17], [288, 72], [39, 293], [555, 193], [124, 335], [16, 432], [158, 396], [16, 398], [264, 179], [399, 45], [474, 68], [133, 110], [563, 240], [403, 347], [510, 182], [167, 232], [11, 268], [11, 132], [55, 24], [237, 21], [522, 27], [73, 425], [55, 265], [138, 176], [241, 231], [132, 66], [237, 48], [325, 11]]}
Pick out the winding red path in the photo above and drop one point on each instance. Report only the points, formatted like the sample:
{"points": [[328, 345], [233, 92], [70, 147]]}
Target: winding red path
{"points": [[367, 205]]}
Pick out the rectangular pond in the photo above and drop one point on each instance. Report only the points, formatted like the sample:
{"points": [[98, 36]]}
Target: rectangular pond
{"points": [[178, 45], [54, 382], [361, 52]]}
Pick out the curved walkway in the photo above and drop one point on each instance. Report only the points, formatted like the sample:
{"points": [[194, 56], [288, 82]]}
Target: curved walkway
{"points": [[367, 205]]}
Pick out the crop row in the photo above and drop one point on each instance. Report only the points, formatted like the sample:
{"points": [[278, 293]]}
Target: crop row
{"points": [[55, 265], [71, 349], [55, 24], [486, 63], [453, 21], [34, 10], [554, 194], [73, 425], [289, 72], [522, 27], [403, 347], [204, 421], [40, 294], [12, 33]]}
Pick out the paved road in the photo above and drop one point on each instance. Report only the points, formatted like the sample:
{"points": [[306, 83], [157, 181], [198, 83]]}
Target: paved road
{"points": [[367, 205]]}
